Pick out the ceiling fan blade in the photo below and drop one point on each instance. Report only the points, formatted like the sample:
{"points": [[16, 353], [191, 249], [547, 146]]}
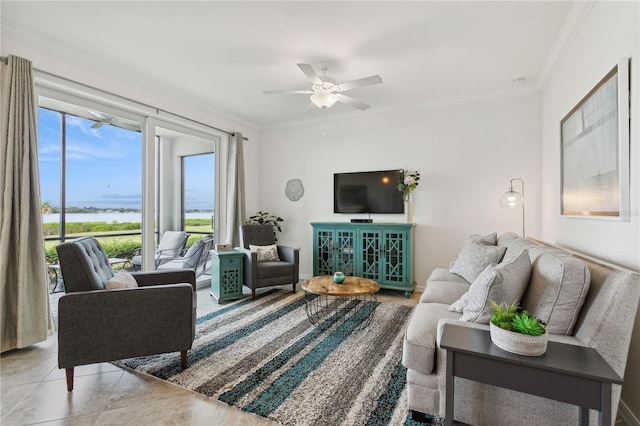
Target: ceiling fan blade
{"points": [[352, 102], [311, 74], [361, 82], [98, 124], [293, 92]]}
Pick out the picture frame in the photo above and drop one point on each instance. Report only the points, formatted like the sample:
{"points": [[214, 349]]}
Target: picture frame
{"points": [[594, 151]]}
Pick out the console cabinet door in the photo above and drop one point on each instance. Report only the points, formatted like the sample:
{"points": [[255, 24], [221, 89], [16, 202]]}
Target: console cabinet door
{"points": [[323, 258], [344, 249], [370, 254], [334, 251], [396, 258]]}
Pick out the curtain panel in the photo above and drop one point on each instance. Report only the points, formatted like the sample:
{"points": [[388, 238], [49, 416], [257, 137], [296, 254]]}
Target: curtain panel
{"points": [[235, 189], [24, 297]]}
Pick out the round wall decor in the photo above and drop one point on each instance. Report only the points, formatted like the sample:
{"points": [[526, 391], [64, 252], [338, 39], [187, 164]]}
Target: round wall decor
{"points": [[294, 190]]}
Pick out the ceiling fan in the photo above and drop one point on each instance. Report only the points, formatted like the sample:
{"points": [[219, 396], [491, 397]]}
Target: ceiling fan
{"points": [[325, 92], [101, 119]]}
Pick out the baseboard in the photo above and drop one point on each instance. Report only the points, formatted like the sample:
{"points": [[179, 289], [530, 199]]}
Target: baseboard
{"points": [[420, 288], [627, 416]]}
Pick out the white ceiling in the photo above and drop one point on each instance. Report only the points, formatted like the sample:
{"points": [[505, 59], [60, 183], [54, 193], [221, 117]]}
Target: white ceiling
{"points": [[224, 54]]}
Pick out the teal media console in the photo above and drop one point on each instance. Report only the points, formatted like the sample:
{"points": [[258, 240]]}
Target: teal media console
{"points": [[382, 252]]}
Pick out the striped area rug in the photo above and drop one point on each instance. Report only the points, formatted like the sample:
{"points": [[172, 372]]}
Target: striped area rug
{"points": [[265, 357]]}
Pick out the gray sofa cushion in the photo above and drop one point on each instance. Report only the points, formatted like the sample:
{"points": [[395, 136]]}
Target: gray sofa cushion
{"points": [[505, 282], [444, 287], [443, 274], [418, 351], [557, 290], [444, 291]]}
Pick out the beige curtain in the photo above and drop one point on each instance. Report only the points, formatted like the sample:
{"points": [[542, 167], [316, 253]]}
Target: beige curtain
{"points": [[235, 189], [24, 296]]}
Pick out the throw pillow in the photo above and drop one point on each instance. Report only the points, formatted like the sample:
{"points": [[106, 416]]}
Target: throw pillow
{"points": [[505, 282], [558, 288], [458, 305], [122, 279], [266, 253], [489, 240], [475, 256]]}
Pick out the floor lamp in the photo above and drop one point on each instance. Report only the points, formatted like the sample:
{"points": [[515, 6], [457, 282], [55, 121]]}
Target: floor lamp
{"points": [[512, 199]]}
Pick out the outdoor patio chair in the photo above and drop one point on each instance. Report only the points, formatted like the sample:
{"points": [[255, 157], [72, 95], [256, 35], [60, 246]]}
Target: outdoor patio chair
{"points": [[100, 325], [195, 258], [170, 247]]}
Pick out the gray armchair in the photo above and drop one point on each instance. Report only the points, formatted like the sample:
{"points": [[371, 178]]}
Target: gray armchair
{"points": [[267, 274], [98, 325]]}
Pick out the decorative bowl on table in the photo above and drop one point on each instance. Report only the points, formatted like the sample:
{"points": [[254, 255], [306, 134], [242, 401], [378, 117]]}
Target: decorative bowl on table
{"points": [[338, 277], [517, 343]]}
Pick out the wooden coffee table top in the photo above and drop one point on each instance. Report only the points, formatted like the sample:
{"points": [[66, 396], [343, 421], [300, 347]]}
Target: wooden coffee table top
{"points": [[352, 286]]}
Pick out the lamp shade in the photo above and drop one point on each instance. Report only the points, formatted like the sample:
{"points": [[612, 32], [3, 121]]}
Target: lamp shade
{"points": [[324, 99], [512, 200]]}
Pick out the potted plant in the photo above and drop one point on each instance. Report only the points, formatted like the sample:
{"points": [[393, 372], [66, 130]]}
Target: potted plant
{"points": [[266, 218], [514, 330]]}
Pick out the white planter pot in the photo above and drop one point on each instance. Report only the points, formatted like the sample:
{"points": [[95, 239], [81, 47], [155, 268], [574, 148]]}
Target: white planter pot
{"points": [[517, 343]]}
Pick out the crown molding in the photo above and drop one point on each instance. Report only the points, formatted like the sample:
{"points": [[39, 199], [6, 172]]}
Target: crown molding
{"points": [[570, 28]]}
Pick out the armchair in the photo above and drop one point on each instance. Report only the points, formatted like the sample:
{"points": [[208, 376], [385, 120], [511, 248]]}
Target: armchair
{"points": [[98, 325], [269, 273]]}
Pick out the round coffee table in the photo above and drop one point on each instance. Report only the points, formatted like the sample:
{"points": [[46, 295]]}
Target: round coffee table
{"points": [[349, 305]]}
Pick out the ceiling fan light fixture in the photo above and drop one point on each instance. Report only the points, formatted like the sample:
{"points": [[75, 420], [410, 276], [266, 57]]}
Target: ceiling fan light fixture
{"points": [[324, 99]]}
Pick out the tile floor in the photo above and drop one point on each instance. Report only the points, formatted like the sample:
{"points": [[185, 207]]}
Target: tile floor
{"points": [[33, 389]]}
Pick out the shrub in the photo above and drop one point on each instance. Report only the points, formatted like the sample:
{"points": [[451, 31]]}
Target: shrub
{"points": [[120, 248]]}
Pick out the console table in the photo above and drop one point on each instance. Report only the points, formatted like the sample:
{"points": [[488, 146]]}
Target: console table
{"points": [[382, 252], [573, 374]]}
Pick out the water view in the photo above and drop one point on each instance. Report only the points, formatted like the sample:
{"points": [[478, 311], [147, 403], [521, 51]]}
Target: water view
{"points": [[112, 217]]}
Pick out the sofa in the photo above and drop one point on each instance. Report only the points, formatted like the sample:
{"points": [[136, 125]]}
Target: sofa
{"points": [[583, 301]]}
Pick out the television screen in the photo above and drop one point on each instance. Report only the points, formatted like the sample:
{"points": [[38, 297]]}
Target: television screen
{"points": [[367, 192]]}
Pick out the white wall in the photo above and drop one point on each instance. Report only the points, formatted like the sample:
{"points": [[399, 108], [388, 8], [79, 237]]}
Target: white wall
{"points": [[609, 32], [466, 154]]}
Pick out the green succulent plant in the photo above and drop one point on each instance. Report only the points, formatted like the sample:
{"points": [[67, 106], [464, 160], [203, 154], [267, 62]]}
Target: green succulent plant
{"points": [[513, 318]]}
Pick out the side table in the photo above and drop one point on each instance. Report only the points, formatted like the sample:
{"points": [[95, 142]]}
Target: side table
{"points": [[573, 374], [226, 275]]}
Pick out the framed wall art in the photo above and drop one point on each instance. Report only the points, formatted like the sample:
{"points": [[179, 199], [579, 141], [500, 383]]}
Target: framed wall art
{"points": [[594, 154]]}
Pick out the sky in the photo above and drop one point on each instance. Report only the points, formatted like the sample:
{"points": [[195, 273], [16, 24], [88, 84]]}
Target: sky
{"points": [[104, 166]]}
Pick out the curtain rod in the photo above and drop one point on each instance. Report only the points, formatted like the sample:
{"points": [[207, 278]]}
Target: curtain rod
{"points": [[4, 59]]}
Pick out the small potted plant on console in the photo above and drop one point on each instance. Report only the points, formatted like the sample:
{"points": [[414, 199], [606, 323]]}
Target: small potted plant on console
{"points": [[514, 330]]}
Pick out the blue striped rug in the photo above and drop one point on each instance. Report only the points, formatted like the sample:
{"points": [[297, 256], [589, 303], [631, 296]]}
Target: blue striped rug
{"points": [[265, 357]]}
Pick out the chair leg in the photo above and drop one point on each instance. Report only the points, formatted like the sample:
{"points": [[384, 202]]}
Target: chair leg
{"points": [[253, 294], [183, 359], [294, 287], [69, 372]]}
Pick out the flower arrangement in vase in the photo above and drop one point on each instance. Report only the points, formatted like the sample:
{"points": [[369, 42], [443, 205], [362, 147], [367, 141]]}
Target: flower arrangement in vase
{"points": [[407, 183]]}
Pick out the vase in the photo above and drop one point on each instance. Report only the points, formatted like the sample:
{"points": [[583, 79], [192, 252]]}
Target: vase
{"points": [[408, 208], [338, 277], [517, 343]]}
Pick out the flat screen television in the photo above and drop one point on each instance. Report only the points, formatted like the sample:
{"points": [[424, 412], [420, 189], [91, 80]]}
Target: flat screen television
{"points": [[367, 192]]}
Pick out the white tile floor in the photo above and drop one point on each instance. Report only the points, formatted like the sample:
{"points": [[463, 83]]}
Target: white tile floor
{"points": [[33, 389]]}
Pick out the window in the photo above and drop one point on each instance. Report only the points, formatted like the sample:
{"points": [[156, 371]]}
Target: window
{"points": [[198, 195], [90, 178]]}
